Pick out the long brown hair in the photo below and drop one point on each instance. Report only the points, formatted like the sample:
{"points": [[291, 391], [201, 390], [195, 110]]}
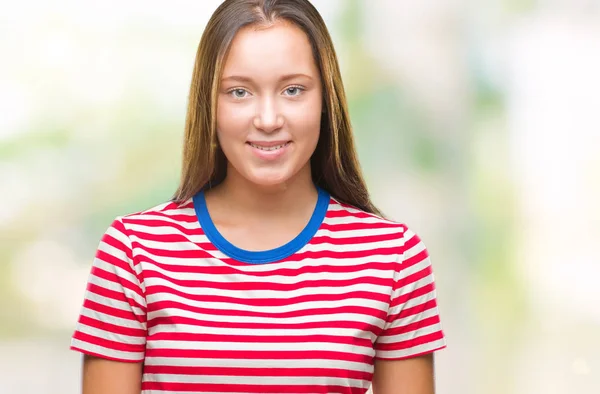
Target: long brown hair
{"points": [[334, 164]]}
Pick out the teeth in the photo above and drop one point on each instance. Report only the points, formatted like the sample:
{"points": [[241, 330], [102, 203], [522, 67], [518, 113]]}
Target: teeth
{"points": [[268, 147]]}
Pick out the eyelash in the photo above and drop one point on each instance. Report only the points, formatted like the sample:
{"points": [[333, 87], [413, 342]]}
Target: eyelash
{"points": [[300, 88]]}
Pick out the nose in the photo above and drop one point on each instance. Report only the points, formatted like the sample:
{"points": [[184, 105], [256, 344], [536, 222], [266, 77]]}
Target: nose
{"points": [[268, 118]]}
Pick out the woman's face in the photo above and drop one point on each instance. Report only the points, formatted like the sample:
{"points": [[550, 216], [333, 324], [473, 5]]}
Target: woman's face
{"points": [[269, 104]]}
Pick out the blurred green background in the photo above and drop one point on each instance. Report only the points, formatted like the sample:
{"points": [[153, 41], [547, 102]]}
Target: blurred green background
{"points": [[477, 124]]}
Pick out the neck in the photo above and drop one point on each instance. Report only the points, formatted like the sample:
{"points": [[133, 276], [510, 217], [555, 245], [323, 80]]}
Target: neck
{"points": [[277, 201]]}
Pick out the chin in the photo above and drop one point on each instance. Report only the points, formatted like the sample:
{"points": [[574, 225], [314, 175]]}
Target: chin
{"points": [[268, 181], [269, 178]]}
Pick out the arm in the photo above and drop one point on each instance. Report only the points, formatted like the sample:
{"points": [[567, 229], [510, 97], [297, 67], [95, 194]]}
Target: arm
{"points": [[408, 376], [111, 330], [412, 331], [102, 376]]}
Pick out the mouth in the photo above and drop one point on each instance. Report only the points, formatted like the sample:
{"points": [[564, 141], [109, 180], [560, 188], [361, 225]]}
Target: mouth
{"points": [[269, 146]]}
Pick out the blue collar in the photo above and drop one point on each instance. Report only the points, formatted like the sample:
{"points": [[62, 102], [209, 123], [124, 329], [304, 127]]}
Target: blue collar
{"points": [[266, 256]]}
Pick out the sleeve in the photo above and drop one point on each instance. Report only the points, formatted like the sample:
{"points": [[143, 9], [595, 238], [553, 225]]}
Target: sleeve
{"points": [[412, 326], [112, 323]]}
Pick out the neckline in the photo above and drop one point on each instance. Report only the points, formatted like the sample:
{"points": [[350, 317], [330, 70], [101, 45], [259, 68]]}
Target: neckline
{"points": [[263, 256]]}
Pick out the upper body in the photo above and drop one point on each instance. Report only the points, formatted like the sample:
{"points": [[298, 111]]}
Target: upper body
{"points": [[310, 316], [270, 271]]}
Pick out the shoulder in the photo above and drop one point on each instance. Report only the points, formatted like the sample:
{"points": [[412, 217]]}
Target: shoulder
{"points": [[347, 216], [166, 214], [347, 220]]}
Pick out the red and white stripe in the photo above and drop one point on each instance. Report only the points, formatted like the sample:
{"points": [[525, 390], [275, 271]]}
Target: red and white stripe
{"points": [[159, 292]]}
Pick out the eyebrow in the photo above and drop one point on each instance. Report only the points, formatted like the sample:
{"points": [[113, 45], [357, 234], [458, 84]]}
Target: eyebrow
{"points": [[284, 78]]}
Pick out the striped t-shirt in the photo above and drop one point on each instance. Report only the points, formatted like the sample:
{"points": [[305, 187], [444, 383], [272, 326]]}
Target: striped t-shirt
{"points": [[311, 316]]}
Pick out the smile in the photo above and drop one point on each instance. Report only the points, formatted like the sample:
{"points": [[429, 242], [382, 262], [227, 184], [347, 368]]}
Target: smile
{"points": [[269, 148]]}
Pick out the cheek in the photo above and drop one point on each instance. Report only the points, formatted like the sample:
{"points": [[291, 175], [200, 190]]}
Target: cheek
{"points": [[305, 120], [311, 128], [232, 122]]}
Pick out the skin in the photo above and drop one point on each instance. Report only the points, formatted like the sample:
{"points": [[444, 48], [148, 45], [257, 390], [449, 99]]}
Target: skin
{"points": [[100, 376], [410, 376], [270, 90]]}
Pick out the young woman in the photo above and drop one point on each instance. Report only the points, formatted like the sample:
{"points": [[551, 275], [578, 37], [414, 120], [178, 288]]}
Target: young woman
{"points": [[270, 271]]}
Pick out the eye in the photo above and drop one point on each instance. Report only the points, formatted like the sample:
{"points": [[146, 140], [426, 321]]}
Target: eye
{"points": [[293, 91], [238, 93]]}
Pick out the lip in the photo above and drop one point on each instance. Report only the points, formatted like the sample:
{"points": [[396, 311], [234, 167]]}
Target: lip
{"points": [[268, 144], [269, 155]]}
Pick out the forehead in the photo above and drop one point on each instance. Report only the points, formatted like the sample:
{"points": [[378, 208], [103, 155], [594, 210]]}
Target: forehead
{"points": [[281, 48]]}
